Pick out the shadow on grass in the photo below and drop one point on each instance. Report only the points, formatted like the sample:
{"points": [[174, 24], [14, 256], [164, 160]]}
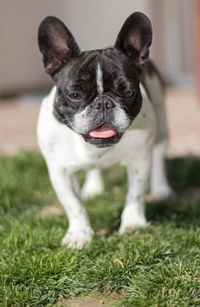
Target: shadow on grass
{"points": [[184, 176], [180, 211], [184, 209]]}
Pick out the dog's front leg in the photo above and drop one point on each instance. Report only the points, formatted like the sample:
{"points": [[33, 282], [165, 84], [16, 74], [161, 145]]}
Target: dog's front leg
{"points": [[133, 215], [79, 233]]}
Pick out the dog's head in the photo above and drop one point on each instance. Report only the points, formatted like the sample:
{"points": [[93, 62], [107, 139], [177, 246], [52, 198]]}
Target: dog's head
{"points": [[98, 93]]}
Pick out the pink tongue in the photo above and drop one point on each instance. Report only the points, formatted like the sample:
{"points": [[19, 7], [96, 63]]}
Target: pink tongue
{"points": [[102, 132]]}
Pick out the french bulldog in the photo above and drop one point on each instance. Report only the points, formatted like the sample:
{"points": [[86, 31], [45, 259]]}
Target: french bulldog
{"points": [[107, 107]]}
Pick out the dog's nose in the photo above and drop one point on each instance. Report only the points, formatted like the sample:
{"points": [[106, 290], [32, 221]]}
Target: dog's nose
{"points": [[109, 104], [101, 103]]}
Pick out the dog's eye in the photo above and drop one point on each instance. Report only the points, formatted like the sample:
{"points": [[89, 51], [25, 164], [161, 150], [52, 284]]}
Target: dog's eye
{"points": [[129, 94], [75, 96]]}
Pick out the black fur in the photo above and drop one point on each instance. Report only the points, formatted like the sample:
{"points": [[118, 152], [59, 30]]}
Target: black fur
{"points": [[56, 44], [135, 38]]}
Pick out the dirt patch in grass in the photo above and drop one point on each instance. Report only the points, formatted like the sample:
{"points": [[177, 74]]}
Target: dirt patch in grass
{"points": [[93, 300], [53, 209]]}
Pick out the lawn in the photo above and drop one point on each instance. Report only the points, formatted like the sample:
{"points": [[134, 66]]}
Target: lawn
{"points": [[156, 266]]}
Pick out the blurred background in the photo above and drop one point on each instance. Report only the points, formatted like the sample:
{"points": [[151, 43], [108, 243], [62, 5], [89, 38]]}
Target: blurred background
{"points": [[95, 24]]}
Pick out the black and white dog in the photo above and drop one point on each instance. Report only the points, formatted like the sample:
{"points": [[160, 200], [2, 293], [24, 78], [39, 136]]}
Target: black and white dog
{"points": [[106, 107]]}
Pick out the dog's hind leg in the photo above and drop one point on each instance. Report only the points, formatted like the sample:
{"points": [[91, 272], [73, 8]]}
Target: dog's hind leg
{"points": [[93, 184], [160, 188]]}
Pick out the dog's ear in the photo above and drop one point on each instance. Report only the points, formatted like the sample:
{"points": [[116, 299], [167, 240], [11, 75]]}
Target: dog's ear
{"points": [[56, 44], [135, 38]]}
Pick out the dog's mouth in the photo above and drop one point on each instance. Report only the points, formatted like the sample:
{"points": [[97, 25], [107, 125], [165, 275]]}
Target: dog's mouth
{"points": [[102, 132], [103, 136]]}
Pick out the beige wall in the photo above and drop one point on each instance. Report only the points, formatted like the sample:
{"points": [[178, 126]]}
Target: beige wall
{"points": [[95, 24], [20, 60]]}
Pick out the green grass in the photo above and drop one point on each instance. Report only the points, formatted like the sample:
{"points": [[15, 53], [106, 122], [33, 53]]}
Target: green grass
{"points": [[161, 262]]}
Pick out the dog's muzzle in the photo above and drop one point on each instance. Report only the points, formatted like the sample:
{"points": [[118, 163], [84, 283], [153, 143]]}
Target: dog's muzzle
{"points": [[104, 134]]}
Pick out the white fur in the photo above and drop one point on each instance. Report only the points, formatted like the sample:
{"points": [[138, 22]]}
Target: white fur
{"points": [[99, 78], [81, 122], [66, 152], [121, 120], [93, 184]]}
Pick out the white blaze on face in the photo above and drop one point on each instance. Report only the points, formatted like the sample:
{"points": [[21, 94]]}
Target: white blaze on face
{"points": [[99, 79]]}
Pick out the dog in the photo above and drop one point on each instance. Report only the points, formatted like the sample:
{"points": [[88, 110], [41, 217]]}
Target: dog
{"points": [[107, 107]]}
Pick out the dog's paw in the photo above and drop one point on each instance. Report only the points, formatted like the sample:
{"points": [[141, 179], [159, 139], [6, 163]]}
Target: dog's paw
{"points": [[132, 225], [91, 191], [77, 239], [162, 195], [131, 220]]}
